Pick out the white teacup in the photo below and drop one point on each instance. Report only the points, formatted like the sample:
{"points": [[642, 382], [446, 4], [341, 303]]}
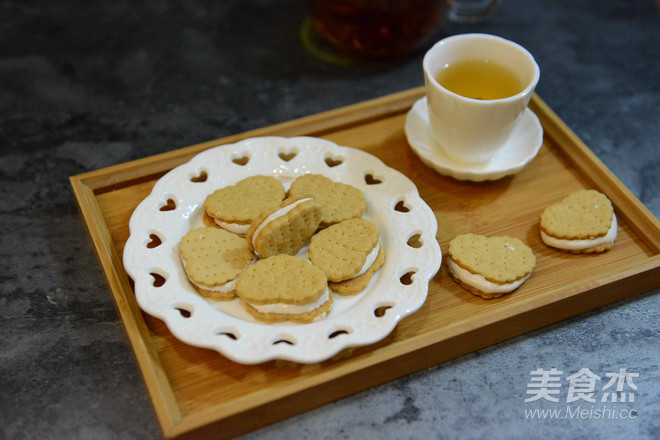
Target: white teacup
{"points": [[472, 129]]}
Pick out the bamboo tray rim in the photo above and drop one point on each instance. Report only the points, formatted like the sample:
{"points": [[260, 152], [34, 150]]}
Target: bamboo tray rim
{"points": [[88, 186]]}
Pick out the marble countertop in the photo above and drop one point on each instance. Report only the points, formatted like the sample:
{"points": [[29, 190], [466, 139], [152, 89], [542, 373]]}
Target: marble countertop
{"points": [[85, 85]]}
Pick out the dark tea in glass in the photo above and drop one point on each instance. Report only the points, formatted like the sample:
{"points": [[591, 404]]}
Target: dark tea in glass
{"points": [[377, 28]]}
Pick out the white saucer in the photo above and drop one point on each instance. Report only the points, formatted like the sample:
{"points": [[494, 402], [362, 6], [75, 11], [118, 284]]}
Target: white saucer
{"points": [[520, 149]]}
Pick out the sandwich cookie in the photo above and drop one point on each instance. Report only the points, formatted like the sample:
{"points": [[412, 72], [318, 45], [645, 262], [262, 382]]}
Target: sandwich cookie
{"points": [[340, 201], [284, 287], [349, 253], [212, 259], [489, 266], [286, 228], [233, 208], [582, 223]]}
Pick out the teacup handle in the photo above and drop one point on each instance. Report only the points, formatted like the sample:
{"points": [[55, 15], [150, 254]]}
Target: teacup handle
{"points": [[471, 11]]}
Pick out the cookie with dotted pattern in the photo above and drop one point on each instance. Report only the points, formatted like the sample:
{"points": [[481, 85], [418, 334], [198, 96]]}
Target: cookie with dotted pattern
{"points": [[489, 266], [212, 259], [234, 207], [340, 201], [285, 287], [583, 222], [349, 253], [286, 228]]}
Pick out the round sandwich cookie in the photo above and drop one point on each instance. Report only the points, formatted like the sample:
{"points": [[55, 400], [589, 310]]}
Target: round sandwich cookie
{"points": [[284, 287], [286, 228], [489, 266], [349, 253], [212, 259], [582, 223], [235, 207], [340, 201]]}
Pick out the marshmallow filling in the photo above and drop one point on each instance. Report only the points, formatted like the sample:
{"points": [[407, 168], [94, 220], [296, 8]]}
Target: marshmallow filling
{"points": [[292, 309], [371, 258], [480, 282], [578, 245], [236, 228]]}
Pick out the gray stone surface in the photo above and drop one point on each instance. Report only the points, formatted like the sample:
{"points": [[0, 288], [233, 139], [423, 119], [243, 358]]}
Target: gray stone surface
{"points": [[84, 85]]}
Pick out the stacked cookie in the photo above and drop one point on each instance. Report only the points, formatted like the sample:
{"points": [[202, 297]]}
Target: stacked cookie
{"points": [[235, 207], [252, 246], [349, 253], [490, 266], [582, 223], [212, 259]]}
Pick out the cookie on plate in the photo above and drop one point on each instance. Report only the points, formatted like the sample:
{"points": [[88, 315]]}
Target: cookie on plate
{"points": [[583, 222], [284, 287], [349, 253], [340, 201], [212, 259], [235, 207], [286, 228], [489, 266]]}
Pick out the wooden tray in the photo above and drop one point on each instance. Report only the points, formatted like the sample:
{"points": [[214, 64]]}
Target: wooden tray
{"points": [[199, 393]]}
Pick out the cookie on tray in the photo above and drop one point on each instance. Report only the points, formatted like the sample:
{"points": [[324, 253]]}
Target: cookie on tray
{"points": [[340, 201], [489, 266], [286, 228], [212, 259], [583, 222], [349, 253], [235, 207], [285, 287]]}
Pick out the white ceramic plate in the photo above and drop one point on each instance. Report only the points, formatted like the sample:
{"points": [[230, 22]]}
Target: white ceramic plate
{"points": [[523, 146], [393, 203]]}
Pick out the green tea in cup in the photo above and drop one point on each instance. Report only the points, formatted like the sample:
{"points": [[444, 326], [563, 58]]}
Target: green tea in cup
{"points": [[480, 78]]}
